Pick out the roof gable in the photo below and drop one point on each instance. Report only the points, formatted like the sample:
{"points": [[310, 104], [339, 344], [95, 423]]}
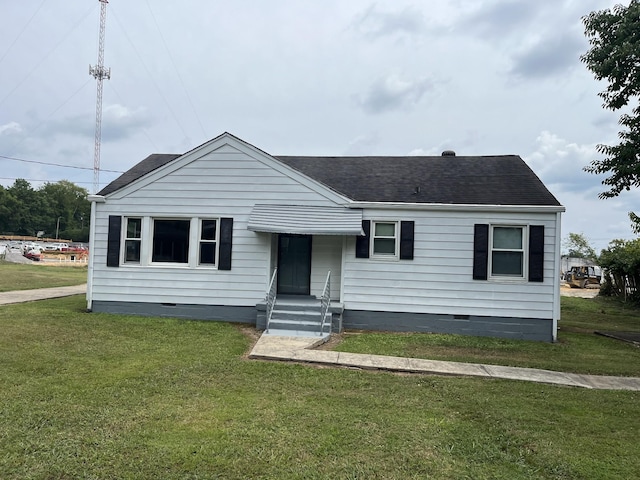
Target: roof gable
{"points": [[159, 168]]}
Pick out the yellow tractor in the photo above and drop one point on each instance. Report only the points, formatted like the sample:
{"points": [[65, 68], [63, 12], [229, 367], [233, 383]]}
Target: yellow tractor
{"points": [[582, 277]]}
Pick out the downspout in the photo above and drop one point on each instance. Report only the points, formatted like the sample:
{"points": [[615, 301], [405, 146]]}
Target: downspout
{"points": [[556, 277], [94, 199]]}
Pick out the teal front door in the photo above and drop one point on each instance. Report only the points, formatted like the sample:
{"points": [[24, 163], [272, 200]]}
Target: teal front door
{"points": [[294, 264]]}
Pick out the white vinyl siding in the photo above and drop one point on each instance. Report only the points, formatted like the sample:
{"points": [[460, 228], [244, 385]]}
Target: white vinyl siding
{"points": [[225, 182], [439, 278]]}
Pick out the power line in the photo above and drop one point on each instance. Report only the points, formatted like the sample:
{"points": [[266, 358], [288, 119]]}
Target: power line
{"points": [[46, 56], [54, 164], [153, 82], [22, 31], [37, 180], [16, 145], [112, 87], [166, 47]]}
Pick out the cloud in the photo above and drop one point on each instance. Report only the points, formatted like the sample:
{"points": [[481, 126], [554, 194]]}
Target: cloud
{"points": [[363, 144], [559, 162], [373, 23], [394, 93], [499, 19], [9, 128], [548, 56], [118, 123]]}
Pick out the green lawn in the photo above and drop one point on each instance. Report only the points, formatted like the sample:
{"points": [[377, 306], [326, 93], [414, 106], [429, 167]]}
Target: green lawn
{"points": [[14, 276], [109, 396], [578, 349]]}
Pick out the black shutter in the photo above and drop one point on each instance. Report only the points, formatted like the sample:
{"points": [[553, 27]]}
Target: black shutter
{"points": [[480, 251], [362, 243], [406, 240], [226, 242], [536, 253], [113, 241]]}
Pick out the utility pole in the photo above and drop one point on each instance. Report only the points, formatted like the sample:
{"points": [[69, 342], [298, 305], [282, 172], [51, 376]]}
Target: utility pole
{"points": [[99, 73]]}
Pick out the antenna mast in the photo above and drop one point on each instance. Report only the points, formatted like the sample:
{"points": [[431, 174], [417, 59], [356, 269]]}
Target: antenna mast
{"points": [[99, 73]]}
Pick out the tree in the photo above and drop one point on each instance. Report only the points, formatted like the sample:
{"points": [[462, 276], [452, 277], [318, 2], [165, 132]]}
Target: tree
{"points": [[621, 261], [577, 245], [614, 56]]}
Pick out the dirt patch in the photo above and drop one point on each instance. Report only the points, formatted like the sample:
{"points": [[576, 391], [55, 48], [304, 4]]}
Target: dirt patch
{"points": [[589, 292]]}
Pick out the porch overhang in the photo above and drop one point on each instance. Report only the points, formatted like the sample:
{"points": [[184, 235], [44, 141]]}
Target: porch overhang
{"points": [[305, 220]]}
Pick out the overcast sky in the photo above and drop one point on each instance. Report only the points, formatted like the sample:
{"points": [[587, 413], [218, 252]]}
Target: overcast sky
{"points": [[310, 77]]}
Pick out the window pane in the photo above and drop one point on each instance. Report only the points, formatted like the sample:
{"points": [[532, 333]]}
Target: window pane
{"points": [[171, 241], [385, 230], [132, 251], [507, 238], [134, 226], [385, 246], [507, 263], [208, 253], [208, 230]]}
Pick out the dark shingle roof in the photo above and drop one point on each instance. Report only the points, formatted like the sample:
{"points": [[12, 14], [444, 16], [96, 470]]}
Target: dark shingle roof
{"points": [[489, 180], [148, 165]]}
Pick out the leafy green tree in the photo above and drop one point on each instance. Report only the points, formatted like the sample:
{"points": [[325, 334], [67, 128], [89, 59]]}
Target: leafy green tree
{"points": [[621, 261], [29, 213], [69, 203], [577, 245], [614, 56]]}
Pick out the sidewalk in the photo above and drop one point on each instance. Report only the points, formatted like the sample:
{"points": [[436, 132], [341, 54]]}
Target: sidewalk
{"points": [[298, 349], [20, 296]]}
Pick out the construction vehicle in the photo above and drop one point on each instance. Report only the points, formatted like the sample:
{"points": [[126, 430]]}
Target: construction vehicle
{"points": [[582, 277]]}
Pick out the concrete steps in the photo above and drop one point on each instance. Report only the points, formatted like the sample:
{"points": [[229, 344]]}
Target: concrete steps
{"points": [[298, 316]]}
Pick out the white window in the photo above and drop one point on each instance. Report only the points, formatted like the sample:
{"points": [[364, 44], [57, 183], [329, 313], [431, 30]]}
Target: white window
{"points": [[208, 243], [508, 251], [170, 241], [133, 240], [384, 239]]}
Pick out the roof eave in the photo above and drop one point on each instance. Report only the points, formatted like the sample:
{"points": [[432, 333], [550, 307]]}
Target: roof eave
{"points": [[459, 207]]}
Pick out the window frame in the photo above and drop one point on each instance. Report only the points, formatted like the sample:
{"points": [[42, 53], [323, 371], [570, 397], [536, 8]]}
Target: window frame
{"points": [[152, 234], [396, 238], [524, 251], [200, 241], [126, 239]]}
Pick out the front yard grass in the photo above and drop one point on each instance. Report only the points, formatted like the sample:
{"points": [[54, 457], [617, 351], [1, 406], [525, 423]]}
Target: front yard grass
{"points": [[112, 396], [578, 349], [15, 276]]}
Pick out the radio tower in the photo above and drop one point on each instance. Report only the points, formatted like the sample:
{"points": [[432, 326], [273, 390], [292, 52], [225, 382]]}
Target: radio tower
{"points": [[99, 73]]}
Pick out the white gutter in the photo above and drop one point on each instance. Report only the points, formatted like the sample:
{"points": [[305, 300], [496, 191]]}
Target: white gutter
{"points": [[556, 277], [94, 199], [458, 207]]}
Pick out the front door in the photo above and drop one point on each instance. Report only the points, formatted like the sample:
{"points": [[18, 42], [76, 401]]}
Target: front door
{"points": [[294, 264]]}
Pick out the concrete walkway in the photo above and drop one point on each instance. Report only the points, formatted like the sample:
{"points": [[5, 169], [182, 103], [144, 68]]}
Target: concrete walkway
{"points": [[20, 296], [298, 349]]}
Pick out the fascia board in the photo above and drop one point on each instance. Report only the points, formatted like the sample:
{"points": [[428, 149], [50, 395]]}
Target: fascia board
{"points": [[459, 207]]}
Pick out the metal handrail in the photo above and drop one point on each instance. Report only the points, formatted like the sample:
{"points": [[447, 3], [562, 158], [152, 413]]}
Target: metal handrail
{"points": [[325, 302], [271, 298]]}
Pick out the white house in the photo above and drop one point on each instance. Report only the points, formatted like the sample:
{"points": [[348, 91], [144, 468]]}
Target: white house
{"points": [[441, 244]]}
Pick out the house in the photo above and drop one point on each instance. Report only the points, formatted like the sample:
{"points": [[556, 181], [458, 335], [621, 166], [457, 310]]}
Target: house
{"points": [[452, 244]]}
